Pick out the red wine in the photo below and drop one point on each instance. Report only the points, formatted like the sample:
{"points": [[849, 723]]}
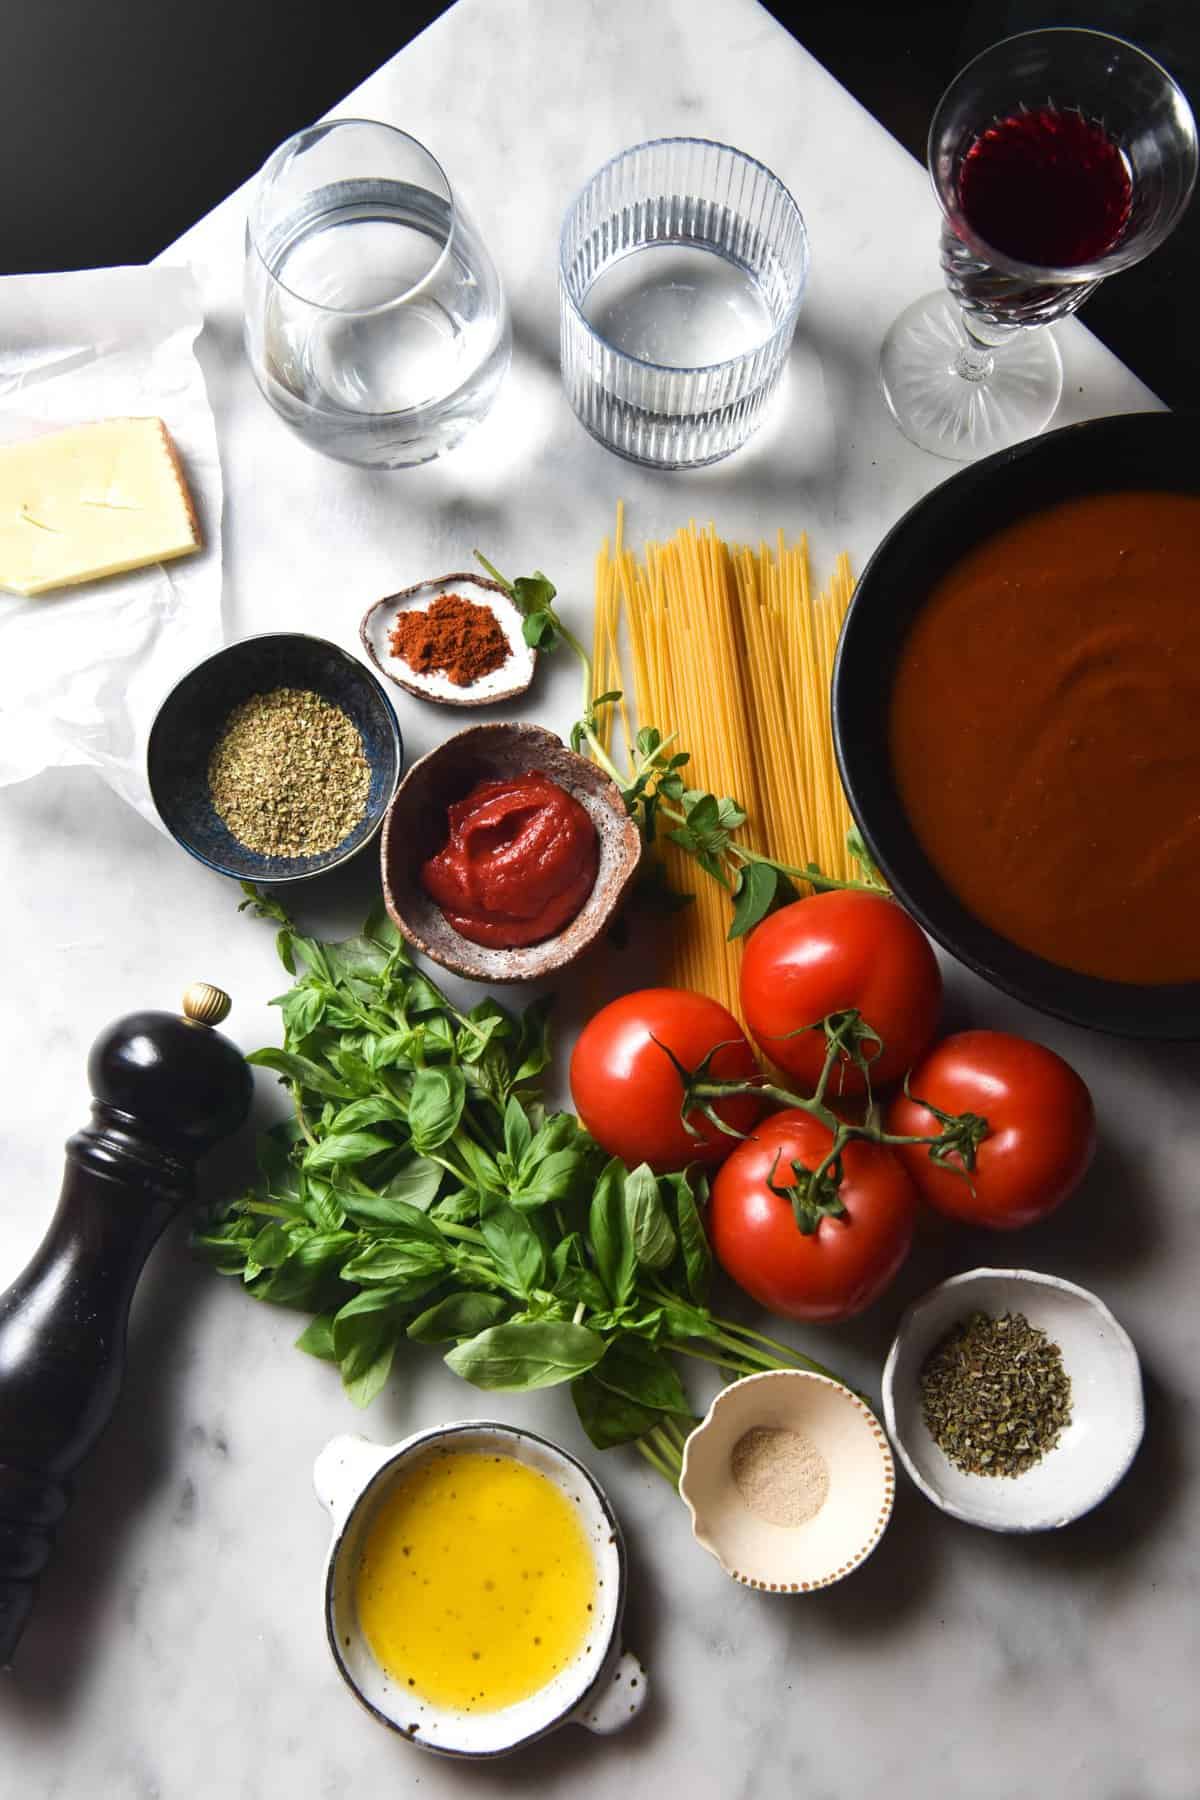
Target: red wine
{"points": [[1046, 186]]}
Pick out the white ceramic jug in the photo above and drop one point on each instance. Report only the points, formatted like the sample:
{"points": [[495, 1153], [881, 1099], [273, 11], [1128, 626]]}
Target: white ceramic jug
{"points": [[604, 1686]]}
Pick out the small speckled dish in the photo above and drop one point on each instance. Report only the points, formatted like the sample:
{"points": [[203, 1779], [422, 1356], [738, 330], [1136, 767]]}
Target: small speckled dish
{"points": [[192, 717], [417, 826], [790, 1559], [505, 683], [603, 1689], [1107, 1414]]}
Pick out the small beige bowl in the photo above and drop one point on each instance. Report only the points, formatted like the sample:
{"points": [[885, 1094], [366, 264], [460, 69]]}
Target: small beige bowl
{"points": [[790, 1559], [416, 828]]}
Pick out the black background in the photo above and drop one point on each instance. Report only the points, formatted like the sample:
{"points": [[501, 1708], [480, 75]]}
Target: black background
{"points": [[125, 120]]}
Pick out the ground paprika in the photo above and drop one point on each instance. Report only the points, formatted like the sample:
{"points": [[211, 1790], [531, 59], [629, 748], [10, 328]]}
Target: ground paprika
{"points": [[454, 637]]}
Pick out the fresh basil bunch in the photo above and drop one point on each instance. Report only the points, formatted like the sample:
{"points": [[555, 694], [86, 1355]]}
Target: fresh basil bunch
{"points": [[420, 1190]]}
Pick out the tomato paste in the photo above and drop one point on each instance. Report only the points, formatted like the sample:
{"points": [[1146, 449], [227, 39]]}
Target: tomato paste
{"points": [[520, 862]]}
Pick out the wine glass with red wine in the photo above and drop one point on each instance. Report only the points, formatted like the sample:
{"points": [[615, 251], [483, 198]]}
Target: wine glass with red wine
{"points": [[1058, 157]]}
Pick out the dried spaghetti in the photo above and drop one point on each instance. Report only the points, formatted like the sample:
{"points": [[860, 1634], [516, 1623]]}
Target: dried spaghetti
{"points": [[731, 654]]}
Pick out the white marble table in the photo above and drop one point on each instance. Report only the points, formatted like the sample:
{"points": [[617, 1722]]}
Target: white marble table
{"points": [[177, 1648]]}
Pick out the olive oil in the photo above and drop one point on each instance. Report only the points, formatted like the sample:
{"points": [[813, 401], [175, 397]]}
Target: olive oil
{"points": [[477, 1583]]}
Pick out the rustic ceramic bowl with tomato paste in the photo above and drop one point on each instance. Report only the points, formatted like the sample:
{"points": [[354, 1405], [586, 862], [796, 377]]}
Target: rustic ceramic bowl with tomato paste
{"points": [[416, 828]]}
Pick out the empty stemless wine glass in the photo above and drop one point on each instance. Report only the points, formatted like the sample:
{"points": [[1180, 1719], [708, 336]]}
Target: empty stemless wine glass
{"points": [[375, 322], [1058, 157]]}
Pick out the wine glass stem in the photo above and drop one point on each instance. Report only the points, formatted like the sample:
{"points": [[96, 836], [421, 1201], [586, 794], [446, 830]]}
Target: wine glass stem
{"points": [[974, 362]]}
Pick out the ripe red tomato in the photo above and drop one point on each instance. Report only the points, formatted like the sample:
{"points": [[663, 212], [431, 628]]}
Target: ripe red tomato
{"points": [[829, 953], [628, 1093], [1042, 1127], [835, 1271]]}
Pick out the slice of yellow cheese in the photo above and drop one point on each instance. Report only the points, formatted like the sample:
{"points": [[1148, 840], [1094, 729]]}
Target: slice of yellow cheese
{"points": [[93, 500]]}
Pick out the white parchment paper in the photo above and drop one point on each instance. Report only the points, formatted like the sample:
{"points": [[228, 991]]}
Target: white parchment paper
{"points": [[83, 670]]}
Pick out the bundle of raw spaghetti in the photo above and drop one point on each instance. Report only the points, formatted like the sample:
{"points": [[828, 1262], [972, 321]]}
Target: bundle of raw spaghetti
{"points": [[731, 654]]}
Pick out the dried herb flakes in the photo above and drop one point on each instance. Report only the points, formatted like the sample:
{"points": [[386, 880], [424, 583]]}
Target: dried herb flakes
{"points": [[289, 775], [995, 1394]]}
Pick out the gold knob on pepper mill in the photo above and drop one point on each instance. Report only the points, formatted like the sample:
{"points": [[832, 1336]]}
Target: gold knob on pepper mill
{"points": [[205, 1004]]}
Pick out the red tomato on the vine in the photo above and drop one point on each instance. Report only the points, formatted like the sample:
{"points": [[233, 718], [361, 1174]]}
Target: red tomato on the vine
{"points": [[829, 953], [1041, 1127], [843, 1265], [629, 1094]]}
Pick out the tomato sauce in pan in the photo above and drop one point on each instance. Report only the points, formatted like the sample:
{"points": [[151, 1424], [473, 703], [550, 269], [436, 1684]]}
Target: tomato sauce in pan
{"points": [[1045, 734]]}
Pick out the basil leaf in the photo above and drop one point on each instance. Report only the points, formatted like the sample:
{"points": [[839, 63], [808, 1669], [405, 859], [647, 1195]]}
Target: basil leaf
{"points": [[498, 1021], [414, 1186], [381, 1110], [380, 929], [317, 1338], [753, 897], [641, 1373], [302, 1072], [561, 1131], [458, 1316], [646, 1219], [474, 1039], [414, 1224], [693, 1239], [681, 1322], [225, 1253], [421, 997], [320, 1204], [518, 1134], [610, 1418], [482, 1165], [364, 1340], [555, 1179], [461, 1207], [574, 1281], [415, 1182], [354, 1070], [302, 1007], [435, 1107], [271, 1247], [356, 958], [533, 1041], [309, 1277], [438, 1036], [400, 1260], [518, 1357], [515, 1247], [345, 1147], [392, 1049], [611, 1241], [273, 1153]]}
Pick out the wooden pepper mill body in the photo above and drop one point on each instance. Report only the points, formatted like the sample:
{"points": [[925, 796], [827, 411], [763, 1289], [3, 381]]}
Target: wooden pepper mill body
{"points": [[166, 1089]]}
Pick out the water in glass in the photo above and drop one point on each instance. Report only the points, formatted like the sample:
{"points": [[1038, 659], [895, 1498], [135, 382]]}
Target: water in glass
{"points": [[375, 321]]}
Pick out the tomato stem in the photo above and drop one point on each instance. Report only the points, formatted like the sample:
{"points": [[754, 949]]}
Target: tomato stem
{"points": [[954, 1147]]}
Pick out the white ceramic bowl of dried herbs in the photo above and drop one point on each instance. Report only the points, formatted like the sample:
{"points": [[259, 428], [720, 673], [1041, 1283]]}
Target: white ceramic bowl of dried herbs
{"points": [[1013, 1399]]}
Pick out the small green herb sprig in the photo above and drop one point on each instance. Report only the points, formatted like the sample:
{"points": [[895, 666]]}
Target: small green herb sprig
{"points": [[657, 796], [421, 1191]]}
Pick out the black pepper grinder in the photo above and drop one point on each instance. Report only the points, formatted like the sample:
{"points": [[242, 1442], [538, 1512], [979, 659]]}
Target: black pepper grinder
{"points": [[165, 1088]]}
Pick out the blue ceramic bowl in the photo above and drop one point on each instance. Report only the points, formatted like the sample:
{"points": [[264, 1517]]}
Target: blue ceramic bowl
{"points": [[192, 717]]}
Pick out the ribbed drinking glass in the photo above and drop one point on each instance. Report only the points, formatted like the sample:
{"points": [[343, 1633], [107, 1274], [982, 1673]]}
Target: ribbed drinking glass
{"points": [[681, 270]]}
